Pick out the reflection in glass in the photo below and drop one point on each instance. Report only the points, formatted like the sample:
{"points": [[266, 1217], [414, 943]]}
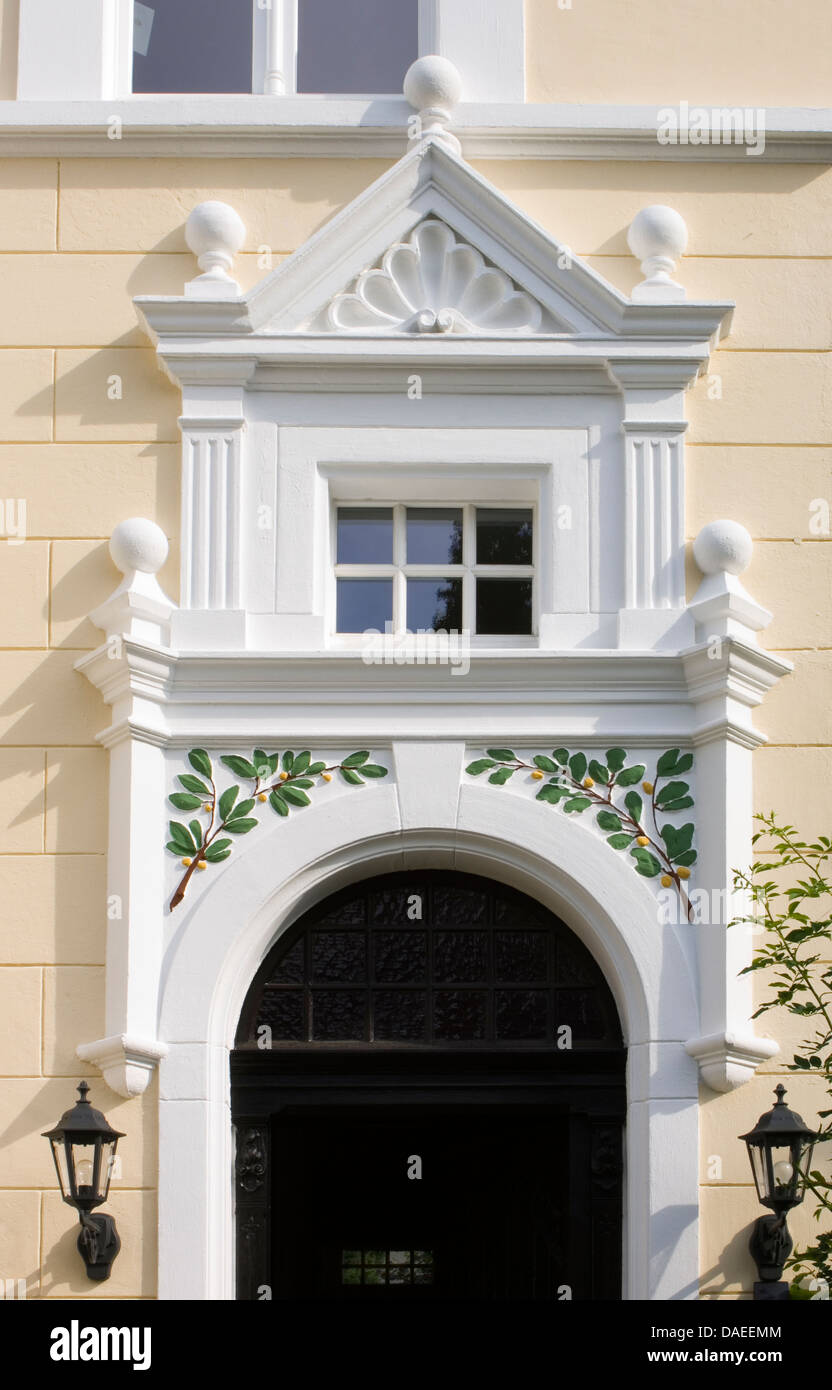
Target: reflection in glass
{"points": [[179, 48], [504, 536], [365, 536], [434, 605], [360, 46], [434, 535], [504, 606], [364, 604]]}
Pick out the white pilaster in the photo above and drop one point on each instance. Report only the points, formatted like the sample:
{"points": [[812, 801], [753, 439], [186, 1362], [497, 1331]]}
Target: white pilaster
{"points": [[75, 52], [211, 525]]}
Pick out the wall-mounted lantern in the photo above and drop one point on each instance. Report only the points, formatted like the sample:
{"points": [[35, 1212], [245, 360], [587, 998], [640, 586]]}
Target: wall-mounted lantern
{"points": [[84, 1150], [780, 1149]]}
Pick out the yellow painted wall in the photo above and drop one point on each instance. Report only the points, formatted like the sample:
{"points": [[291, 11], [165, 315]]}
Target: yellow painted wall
{"points": [[77, 241], [719, 52]]}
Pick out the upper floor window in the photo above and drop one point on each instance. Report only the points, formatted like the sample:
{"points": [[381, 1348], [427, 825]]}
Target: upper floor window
{"points": [[358, 47], [432, 569]]}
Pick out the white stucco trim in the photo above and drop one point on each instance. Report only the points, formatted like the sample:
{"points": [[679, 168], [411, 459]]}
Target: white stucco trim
{"points": [[222, 938], [307, 127]]}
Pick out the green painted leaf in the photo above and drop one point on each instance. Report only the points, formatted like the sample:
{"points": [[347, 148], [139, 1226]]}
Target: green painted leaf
{"points": [[480, 765], [304, 781], [616, 758], [196, 830], [184, 801], [193, 784], [227, 800], [672, 792], [351, 776], [681, 805], [278, 804], [634, 805], [294, 795], [667, 762], [302, 762], [174, 848], [551, 794], [315, 768], [501, 775], [608, 820], [373, 770], [241, 827], [200, 762], [241, 767], [646, 863], [678, 837], [182, 835], [219, 850], [261, 762], [577, 803], [242, 809], [561, 755], [545, 764], [598, 772], [683, 764], [501, 755], [288, 760], [356, 759], [631, 775], [619, 841], [577, 766], [688, 858]]}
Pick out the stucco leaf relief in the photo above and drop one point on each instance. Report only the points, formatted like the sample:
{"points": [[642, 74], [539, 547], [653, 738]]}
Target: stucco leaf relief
{"points": [[433, 283], [284, 783], [617, 793]]}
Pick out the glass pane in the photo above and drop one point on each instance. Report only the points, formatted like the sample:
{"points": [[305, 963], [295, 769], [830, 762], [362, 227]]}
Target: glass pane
{"points": [[504, 606], [84, 1156], [434, 535], [399, 1015], [181, 46], [521, 1014], [504, 536], [362, 46], [434, 605], [59, 1153], [460, 956], [400, 957], [339, 1015], [339, 957], [365, 535], [364, 604], [282, 1010]]}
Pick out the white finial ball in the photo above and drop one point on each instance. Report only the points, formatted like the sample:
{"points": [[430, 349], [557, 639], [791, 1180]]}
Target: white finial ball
{"points": [[139, 544], [432, 81], [657, 231], [214, 227], [721, 546]]}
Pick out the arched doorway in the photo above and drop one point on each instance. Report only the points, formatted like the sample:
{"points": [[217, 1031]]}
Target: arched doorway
{"points": [[428, 1095]]}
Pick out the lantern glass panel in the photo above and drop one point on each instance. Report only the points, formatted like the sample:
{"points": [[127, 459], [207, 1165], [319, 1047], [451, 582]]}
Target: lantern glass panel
{"points": [[784, 1171], [757, 1155], [60, 1156], [84, 1162], [108, 1158]]}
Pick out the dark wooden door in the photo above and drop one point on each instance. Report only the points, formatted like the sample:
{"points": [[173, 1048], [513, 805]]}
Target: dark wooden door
{"points": [[423, 1016], [420, 1204]]}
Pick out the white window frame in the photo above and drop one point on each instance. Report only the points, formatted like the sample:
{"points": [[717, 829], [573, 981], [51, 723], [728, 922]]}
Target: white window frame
{"points": [[469, 571], [70, 52]]}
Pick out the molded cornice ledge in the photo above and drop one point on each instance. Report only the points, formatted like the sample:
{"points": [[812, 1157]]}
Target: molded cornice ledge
{"points": [[728, 1060], [244, 125], [127, 1064]]}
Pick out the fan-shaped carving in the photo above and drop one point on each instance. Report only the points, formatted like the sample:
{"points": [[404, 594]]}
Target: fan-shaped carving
{"points": [[433, 283]]}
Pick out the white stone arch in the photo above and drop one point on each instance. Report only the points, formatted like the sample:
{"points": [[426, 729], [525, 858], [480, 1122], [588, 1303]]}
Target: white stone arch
{"points": [[218, 944]]}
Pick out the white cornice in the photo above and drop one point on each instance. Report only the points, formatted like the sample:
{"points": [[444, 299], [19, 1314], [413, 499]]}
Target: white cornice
{"points": [[307, 127]]}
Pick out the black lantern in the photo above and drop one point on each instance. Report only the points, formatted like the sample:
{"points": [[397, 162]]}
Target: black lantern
{"points": [[780, 1149], [84, 1150]]}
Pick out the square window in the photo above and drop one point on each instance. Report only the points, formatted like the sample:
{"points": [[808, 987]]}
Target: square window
{"points": [[504, 607], [365, 536], [504, 536], [364, 605], [434, 605], [359, 46], [179, 48], [434, 535]]}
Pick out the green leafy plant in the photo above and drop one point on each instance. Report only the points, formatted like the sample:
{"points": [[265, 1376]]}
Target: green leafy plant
{"points": [[789, 877], [616, 791], [284, 783]]}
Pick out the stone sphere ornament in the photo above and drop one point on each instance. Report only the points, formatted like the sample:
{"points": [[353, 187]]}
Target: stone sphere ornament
{"points": [[723, 547], [215, 233], [138, 544], [433, 87], [657, 237]]}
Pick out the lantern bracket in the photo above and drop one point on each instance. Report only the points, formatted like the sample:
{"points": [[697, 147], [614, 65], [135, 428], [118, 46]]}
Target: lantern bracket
{"points": [[98, 1244]]}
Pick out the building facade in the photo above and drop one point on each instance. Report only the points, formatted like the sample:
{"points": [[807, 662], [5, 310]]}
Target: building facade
{"points": [[409, 501]]}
